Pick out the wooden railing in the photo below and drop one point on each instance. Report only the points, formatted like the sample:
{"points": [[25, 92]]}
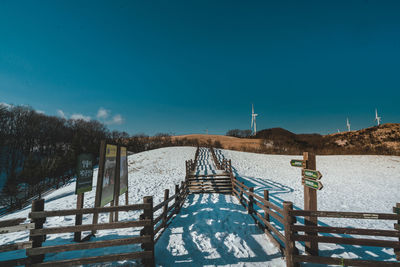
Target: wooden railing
{"points": [[163, 220], [152, 229], [294, 235], [281, 225], [249, 200], [13, 226], [215, 159], [38, 235]]}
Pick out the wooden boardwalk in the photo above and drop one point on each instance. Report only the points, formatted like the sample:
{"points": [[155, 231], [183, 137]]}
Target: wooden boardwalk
{"points": [[206, 178]]}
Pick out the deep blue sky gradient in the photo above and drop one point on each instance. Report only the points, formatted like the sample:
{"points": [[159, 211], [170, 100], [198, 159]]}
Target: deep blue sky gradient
{"points": [[185, 66]]}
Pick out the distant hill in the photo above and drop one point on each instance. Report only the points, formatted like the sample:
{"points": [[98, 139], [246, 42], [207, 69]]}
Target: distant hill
{"points": [[381, 140]]}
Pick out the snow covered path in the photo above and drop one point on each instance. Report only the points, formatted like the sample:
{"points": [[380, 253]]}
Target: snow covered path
{"points": [[214, 230]]}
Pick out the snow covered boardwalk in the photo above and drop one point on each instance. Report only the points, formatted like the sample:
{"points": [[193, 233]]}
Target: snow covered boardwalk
{"points": [[215, 230]]}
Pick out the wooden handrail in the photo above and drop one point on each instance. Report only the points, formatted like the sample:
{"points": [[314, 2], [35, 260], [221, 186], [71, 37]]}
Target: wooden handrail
{"points": [[89, 227], [344, 230], [346, 215], [54, 213]]}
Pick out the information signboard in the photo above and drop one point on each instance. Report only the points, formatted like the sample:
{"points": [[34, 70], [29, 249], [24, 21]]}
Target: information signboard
{"points": [[84, 174], [123, 171], [107, 191]]}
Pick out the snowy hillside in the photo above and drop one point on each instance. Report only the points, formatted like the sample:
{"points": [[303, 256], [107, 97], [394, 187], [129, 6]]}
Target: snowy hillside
{"points": [[351, 183]]}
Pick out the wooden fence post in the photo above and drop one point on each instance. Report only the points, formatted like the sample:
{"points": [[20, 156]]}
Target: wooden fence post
{"points": [[290, 246], [37, 205], [177, 198], [78, 218], [266, 197], [397, 251], [310, 203], [251, 201], [148, 230], [166, 196]]}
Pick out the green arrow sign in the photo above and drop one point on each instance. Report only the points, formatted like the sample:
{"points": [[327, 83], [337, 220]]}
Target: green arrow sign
{"points": [[316, 175], [296, 163], [313, 184], [396, 210]]}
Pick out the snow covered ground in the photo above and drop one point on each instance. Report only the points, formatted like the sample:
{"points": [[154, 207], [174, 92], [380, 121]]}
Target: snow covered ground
{"points": [[351, 183], [214, 229]]}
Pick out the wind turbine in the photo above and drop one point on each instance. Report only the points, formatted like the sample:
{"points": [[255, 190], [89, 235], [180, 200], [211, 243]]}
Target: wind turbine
{"points": [[253, 120], [348, 124], [378, 119]]}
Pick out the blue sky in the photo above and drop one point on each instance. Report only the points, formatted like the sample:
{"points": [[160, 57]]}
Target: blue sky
{"points": [[185, 66]]}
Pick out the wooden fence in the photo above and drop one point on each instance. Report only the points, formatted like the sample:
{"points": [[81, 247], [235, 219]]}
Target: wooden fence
{"points": [[282, 225], [13, 226], [152, 229], [24, 198]]}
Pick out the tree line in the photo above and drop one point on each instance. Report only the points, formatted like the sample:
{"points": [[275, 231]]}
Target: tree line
{"points": [[35, 147]]}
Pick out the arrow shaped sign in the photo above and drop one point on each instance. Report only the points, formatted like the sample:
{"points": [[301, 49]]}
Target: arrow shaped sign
{"points": [[311, 174], [313, 184], [296, 163]]}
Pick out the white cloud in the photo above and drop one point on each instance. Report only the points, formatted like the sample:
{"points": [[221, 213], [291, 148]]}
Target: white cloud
{"points": [[102, 113], [61, 113], [117, 119], [80, 117], [40, 111]]}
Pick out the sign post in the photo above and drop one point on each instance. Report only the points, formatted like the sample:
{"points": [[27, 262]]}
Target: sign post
{"points": [[117, 185], [84, 180], [99, 181], [310, 203]]}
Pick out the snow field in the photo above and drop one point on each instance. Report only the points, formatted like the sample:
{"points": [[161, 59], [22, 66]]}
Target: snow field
{"points": [[213, 229]]}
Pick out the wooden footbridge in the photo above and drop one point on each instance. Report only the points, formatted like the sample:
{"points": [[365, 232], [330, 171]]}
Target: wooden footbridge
{"points": [[207, 175]]}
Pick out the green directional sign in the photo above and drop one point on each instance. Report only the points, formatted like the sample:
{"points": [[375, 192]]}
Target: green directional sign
{"points": [[312, 174], [296, 163], [313, 184], [396, 210]]}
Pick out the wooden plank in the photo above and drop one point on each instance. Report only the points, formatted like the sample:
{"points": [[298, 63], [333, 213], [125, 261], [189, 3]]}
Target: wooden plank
{"points": [[16, 246], [54, 213], [89, 245], [12, 222], [214, 179], [210, 188], [343, 230], [348, 241], [270, 212], [267, 203], [208, 182], [17, 228], [15, 262], [162, 204], [89, 227], [209, 175], [241, 184], [342, 262], [106, 258], [347, 215], [270, 227]]}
